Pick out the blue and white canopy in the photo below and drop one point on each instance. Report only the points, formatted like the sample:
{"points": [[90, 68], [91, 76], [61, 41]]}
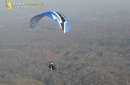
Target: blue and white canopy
{"points": [[59, 18]]}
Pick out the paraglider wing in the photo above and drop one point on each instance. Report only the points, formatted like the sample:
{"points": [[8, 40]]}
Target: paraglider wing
{"points": [[59, 18], [34, 21]]}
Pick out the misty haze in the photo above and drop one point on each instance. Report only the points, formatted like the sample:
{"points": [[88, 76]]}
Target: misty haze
{"points": [[96, 51]]}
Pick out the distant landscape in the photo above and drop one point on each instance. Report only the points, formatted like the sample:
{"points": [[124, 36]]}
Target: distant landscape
{"points": [[96, 51]]}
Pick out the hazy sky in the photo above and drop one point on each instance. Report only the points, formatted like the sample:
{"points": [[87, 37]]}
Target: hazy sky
{"points": [[77, 4], [77, 7]]}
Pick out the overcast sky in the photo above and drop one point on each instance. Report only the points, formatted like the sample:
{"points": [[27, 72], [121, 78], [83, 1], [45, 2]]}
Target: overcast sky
{"points": [[76, 7], [77, 4]]}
